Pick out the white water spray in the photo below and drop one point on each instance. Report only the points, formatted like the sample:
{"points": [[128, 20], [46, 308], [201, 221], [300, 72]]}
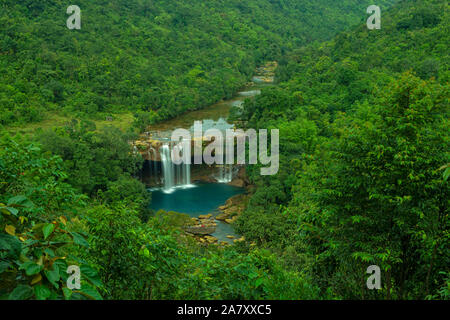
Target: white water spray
{"points": [[174, 175]]}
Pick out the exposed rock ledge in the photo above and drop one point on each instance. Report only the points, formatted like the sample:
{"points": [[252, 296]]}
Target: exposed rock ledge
{"points": [[241, 179], [232, 208], [203, 225], [200, 230]]}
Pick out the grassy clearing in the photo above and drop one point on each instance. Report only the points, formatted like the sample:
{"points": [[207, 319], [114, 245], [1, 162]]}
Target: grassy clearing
{"points": [[121, 121]]}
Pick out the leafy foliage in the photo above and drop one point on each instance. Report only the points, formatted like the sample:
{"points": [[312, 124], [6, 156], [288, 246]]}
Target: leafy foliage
{"points": [[35, 235], [363, 163], [156, 59]]}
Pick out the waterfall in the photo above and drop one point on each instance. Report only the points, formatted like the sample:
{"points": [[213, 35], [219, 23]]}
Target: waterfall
{"points": [[187, 173], [174, 175], [179, 177], [229, 173], [225, 174], [168, 168], [186, 179]]}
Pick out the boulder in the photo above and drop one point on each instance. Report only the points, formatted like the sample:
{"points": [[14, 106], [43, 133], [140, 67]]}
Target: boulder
{"points": [[239, 240], [231, 220], [230, 211], [200, 229], [222, 216], [242, 174], [237, 183], [211, 239]]}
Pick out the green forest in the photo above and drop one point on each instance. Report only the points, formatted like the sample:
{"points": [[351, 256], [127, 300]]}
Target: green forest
{"points": [[156, 59], [364, 141]]}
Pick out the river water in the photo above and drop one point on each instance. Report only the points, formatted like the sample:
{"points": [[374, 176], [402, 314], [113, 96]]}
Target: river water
{"points": [[202, 198]]}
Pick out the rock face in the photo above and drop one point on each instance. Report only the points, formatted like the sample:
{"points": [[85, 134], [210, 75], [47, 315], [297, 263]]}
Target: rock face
{"points": [[237, 183], [222, 217], [203, 178], [206, 239], [200, 229], [241, 179], [232, 209], [203, 173], [239, 240], [211, 239], [203, 225], [231, 220]]}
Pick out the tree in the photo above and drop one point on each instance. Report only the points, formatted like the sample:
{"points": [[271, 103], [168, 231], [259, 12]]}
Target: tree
{"points": [[382, 199], [37, 237]]}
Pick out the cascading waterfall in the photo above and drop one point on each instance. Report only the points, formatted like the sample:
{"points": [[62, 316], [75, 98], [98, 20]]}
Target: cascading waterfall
{"points": [[174, 175], [179, 177], [225, 173], [186, 174], [168, 167]]}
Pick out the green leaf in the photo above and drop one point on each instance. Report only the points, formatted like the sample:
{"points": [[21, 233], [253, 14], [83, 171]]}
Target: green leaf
{"points": [[446, 174], [31, 268], [258, 282], [21, 292], [91, 274], [79, 239], [90, 292], [7, 210], [48, 229], [53, 276], [20, 201], [62, 268], [50, 252], [67, 293], [10, 244], [42, 292]]}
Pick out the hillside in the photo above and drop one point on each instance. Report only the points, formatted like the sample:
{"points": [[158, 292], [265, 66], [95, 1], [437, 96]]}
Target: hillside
{"points": [[157, 58], [363, 117], [364, 143]]}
